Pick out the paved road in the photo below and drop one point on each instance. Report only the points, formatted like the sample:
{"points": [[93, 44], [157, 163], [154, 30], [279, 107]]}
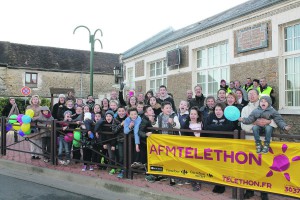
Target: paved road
{"points": [[17, 189]]}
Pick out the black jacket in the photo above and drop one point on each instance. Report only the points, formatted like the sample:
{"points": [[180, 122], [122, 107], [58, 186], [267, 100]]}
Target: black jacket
{"points": [[213, 123], [144, 125], [197, 101], [118, 129]]}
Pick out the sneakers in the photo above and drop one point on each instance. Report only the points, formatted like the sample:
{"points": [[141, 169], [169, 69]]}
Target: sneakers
{"points": [[265, 149], [67, 162], [161, 178], [179, 182], [196, 186], [46, 160], [137, 165], [187, 182], [112, 172], [62, 162], [172, 182], [83, 168], [150, 178], [91, 168], [121, 174], [37, 157], [258, 147]]}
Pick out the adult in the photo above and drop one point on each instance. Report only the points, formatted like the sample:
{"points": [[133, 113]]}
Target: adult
{"points": [[208, 107], [35, 105], [240, 99], [163, 97], [266, 90], [189, 95], [11, 109], [221, 96], [255, 84], [231, 87], [70, 96], [223, 84], [199, 97], [140, 97], [253, 97], [237, 85], [232, 100], [248, 85], [61, 102], [90, 102]]}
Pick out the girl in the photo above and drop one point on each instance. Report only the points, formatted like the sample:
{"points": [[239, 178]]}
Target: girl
{"points": [[113, 106], [104, 106], [148, 95], [44, 120], [36, 140], [96, 109], [62, 143], [221, 94], [132, 102], [240, 99], [155, 106]]}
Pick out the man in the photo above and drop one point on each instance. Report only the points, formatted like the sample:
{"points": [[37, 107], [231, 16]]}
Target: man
{"points": [[249, 85], [237, 85], [189, 95], [163, 97], [265, 89], [208, 108], [140, 97], [61, 102], [253, 96], [231, 87], [199, 97], [90, 102]]}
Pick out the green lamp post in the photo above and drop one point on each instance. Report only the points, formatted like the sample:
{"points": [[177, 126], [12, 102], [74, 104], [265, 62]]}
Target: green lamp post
{"points": [[92, 41]]}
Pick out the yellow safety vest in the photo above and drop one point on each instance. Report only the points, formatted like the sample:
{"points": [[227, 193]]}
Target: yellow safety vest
{"points": [[266, 91]]}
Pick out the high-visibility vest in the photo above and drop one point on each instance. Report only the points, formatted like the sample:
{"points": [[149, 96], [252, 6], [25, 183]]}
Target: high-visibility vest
{"points": [[266, 91], [249, 88]]}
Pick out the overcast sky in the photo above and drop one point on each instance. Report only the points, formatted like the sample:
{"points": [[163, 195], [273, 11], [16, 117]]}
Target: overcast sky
{"points": [[124, 23]]}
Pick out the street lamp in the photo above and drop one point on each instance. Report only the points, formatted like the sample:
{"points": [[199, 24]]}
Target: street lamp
{"points": [[118, 72], [92, 41]]}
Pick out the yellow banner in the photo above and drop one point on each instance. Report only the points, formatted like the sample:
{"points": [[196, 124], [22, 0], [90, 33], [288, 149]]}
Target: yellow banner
{"points": [[227, 161]]}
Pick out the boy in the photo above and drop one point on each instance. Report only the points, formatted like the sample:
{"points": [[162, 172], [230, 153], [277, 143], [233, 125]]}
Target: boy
{"points": [[62, 142], [140, 108], [266, 111], [132, 123], [113, 105], [183, 112]]}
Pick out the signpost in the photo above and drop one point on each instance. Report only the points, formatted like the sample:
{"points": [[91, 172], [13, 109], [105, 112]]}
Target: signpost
{"points": [[26, 91]]}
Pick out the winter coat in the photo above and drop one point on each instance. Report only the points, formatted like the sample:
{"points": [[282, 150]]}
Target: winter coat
{"points": [[143, 129], [118, 129], [169, 99], [213, 123], [43, 121], [176, 123], [197, 101]]}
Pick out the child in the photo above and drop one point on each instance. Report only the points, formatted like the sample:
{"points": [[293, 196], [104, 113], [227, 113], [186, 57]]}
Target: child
{"points": [[140, 108], [118, 130], [183, 112], [109, 141], [132, 123], [44, 120], [62, 142], [155, 106], [266, 111], [104, 106], [113, 106]]}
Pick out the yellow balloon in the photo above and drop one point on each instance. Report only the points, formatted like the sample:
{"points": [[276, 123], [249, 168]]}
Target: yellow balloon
{"points": [[25, 127], [16, 126], [30, 113]]}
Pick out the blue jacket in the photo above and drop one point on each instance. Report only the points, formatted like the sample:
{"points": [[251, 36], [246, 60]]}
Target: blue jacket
{"points": [[135, 129]]}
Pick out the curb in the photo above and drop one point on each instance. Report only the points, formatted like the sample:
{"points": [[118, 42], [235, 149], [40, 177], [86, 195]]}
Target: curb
{"points": [[79, 184]]}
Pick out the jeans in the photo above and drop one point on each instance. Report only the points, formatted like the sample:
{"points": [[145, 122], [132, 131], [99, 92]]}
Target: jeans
{"points": [[268, 133], [63, 144]]}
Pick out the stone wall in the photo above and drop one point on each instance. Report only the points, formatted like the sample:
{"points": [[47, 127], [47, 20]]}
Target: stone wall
{"points": [[178, 85], [14, 80], [139, 68]]}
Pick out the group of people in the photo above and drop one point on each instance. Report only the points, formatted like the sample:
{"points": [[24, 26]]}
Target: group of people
{"points": [[138, 113]]}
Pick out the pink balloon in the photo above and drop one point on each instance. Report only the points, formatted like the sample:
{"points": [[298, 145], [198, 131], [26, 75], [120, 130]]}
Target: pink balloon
{"points": [[19, 118], [69, 137]]}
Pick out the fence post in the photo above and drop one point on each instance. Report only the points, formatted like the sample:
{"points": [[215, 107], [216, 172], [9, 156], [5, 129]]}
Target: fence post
{"points": [[2, 122], [53, 142], [3, 132], [130, 154], [125, 153]]}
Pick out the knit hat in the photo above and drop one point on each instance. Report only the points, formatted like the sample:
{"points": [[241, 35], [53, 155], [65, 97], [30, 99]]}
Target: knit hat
{"points": [[267, 98], [61, 96], [66, 112], [109, 112], [45, 108]]}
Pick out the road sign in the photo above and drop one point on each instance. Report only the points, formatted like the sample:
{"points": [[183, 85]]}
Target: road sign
{"points": [[25, 91]]}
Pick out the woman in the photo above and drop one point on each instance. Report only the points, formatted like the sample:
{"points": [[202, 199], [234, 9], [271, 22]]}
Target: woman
{"points": [[240, 99], [231, 100], [221, 94], [148, 95], [35, 105], [11, 109]]}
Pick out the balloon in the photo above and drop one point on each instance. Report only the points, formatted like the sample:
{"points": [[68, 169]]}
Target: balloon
{"points": [[19, 118], [25, 128], [28, 132], [232, 113], [16, 126], [69, 137], [12, 119], [76, 144], [91, 135], [26, 119], [30, 113], [21, 133], [8, 127], [76, 141]]}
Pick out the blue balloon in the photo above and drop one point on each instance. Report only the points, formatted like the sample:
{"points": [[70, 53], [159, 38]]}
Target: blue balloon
{"points": [[232, 113], [21, 133], [91, 135], [8, 127], [26, 119]]}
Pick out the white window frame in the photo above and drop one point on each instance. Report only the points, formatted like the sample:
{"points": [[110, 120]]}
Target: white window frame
{"points": [[213, 63], [157, 74], [283, 104]]}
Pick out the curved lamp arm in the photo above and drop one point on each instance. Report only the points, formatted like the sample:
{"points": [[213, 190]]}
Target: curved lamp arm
{"points": [[83, 27], [99, 42]]}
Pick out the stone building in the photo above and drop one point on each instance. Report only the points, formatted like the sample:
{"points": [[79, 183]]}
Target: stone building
{"points": [[259, 38], [41, 68]]}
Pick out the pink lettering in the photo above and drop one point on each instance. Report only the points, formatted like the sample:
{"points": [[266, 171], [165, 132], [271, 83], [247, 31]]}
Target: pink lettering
{"points": [[188, 152], [207, 154], [231, 156], [242, 160], [171, 150], [160, 149], [196, 154], [218, 154], [153, 149], [180, 151]]}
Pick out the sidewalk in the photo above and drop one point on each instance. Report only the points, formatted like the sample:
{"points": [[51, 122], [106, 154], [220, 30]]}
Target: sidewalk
{"points": [[22, 162]]}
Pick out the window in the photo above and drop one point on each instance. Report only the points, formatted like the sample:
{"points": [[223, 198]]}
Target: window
{"points": [[212, 65], [31, 79], [130, 79], [158, 75], [292, 65]]}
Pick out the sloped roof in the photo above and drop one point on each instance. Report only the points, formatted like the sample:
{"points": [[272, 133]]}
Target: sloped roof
{"points": [[171, 35], [55, 59]]}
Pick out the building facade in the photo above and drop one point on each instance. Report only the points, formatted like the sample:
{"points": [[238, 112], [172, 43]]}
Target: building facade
{"points": [[42, 68], [256, 39]]}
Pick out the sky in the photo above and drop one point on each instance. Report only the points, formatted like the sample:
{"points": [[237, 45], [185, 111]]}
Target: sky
{"points": [[124, 23]]}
